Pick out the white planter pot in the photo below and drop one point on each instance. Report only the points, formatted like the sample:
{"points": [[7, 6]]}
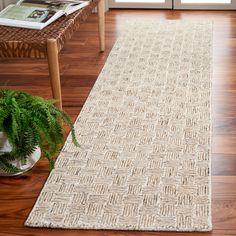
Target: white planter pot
{"points": [[31, 161]]}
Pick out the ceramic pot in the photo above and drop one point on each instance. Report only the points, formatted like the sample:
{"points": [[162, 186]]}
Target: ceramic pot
{"points": [[31, 161]]}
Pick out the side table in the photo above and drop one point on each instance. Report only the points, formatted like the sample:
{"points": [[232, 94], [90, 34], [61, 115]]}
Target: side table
{"points": [[48, 42]]}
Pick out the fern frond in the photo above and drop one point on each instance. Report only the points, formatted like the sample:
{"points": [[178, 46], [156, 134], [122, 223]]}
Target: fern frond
{"points": [[30, 121], [8, 167]]}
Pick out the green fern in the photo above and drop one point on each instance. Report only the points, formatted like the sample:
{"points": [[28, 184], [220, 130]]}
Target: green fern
{"points": [[30, 121]]}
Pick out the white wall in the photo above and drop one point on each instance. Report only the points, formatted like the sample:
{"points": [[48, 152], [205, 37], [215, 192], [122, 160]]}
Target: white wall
{"points": [[106, 5]]}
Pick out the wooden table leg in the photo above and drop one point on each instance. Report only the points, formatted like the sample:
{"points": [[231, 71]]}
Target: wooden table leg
{"points": [[101, 24], [54, 71]]}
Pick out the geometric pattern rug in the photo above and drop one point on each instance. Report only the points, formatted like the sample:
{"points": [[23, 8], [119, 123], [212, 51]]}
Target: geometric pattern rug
{"points": [[145, 135]]}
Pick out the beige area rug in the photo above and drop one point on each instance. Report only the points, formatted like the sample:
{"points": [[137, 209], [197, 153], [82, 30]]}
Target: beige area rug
{"points": [[145, 132]]}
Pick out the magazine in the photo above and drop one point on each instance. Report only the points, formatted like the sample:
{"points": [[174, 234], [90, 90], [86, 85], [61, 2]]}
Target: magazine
{"points": [[37, 14]]}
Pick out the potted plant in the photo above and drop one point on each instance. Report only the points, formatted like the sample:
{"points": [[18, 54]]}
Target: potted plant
{"points": [[29, 125]]}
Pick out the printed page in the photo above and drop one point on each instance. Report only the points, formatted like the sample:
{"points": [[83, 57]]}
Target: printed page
{"points": [[31, 14], [51, 4]]}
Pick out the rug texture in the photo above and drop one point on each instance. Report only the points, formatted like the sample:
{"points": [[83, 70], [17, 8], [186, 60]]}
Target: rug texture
{"points": [[145, 135]]}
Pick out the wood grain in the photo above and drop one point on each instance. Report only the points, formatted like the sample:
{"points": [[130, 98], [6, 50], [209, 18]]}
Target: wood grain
{"points": [[80, 64], [101, 24], [54, 71]]}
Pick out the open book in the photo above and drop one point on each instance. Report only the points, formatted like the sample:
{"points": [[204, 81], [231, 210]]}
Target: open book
{"points": [[37, 14]]}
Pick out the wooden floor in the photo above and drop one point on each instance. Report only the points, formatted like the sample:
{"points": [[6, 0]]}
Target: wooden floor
{"points": [[81, 63]]}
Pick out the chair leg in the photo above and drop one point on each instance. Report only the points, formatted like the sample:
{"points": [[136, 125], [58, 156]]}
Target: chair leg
{"points": [[54, 71], [101, 24]]}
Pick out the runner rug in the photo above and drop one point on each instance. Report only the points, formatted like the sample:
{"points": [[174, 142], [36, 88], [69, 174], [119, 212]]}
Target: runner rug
{"points": [[145, 135]]}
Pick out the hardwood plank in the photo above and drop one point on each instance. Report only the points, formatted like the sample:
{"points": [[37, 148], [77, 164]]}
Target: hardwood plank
{"points": [[223, 164], [224, 144], [80, 64]]}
